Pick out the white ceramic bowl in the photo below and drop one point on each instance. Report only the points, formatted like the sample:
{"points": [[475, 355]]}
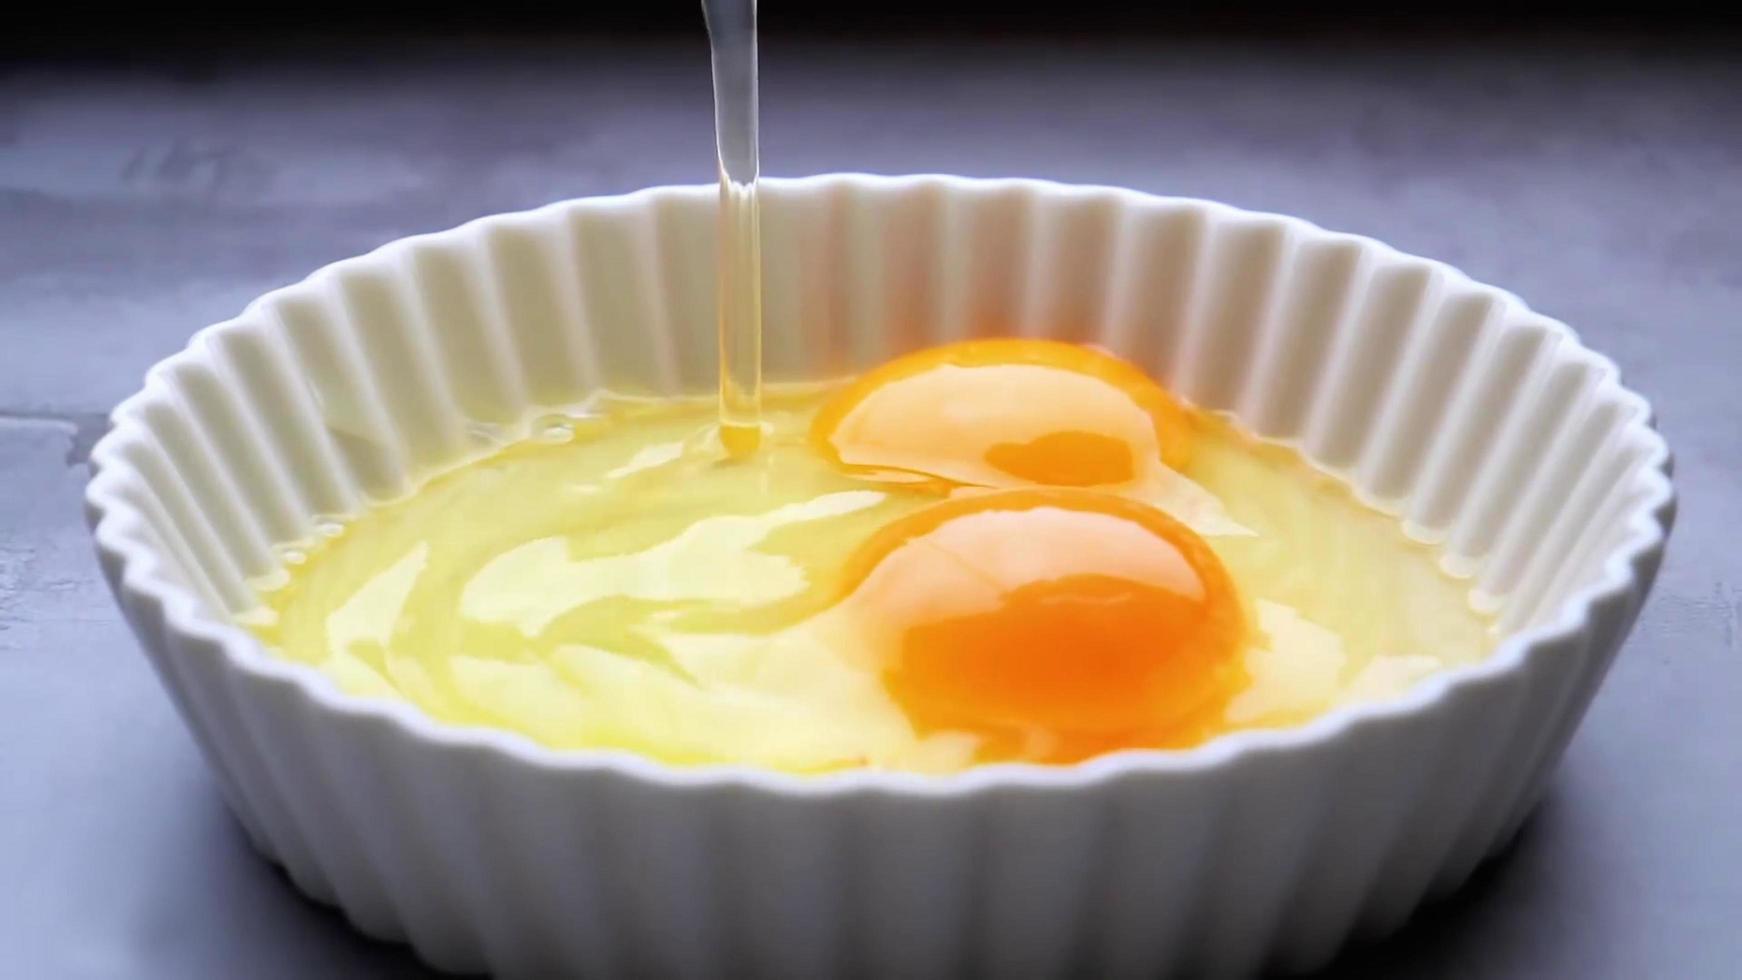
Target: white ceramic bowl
{"points": [[1481, 424]]}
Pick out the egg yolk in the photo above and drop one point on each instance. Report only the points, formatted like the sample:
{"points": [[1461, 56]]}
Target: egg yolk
{"points": [[1055, 623], [1006, 413]]}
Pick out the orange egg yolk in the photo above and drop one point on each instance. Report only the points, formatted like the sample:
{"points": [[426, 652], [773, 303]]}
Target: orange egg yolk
{"points": [[1057, 624], [1006, 413]]}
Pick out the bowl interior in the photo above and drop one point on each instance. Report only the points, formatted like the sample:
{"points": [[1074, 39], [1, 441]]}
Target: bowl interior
{"points": [[1484, 426]]}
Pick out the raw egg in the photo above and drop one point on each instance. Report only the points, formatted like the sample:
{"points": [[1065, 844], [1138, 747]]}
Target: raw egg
{"points": [[1006, 413], [981, 553], [1054, 623]]}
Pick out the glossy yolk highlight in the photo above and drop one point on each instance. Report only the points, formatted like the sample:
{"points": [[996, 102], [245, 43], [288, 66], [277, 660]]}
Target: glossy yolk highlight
{"points": [[1006, 412], [1055, 623]]}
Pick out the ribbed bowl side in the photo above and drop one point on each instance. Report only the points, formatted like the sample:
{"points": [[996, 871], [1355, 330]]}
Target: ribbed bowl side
{"points": [[1482, 425]]}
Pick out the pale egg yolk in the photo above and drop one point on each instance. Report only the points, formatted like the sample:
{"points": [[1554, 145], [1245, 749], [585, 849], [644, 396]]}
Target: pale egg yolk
{"points": [[1006, 413], [1056, 623]]}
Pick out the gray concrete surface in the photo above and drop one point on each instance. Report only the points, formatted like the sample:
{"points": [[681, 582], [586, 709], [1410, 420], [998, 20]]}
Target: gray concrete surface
{"points": [[1603, 182]]}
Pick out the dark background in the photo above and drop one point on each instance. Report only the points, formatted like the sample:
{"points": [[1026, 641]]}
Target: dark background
{"points": [[160, 167], [73, 28]]}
